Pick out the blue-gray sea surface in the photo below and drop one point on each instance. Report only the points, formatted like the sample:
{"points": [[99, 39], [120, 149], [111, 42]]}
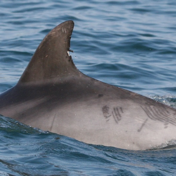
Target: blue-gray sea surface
{"points": [[126, 43]]}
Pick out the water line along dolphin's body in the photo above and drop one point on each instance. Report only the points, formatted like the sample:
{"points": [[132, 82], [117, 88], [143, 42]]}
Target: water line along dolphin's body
{"points": [[53, 95]]}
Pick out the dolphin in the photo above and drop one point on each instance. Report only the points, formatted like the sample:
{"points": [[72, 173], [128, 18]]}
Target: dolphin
{"points": [[53, 95]]}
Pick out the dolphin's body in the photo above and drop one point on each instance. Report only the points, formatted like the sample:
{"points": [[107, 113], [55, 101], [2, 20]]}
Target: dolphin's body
{"points": [[53, 95]]}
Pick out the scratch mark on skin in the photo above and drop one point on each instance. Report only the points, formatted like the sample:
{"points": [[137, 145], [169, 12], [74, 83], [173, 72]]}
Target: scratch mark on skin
{"points": [[64, 30], [116, 113], [52, 122], [115, 116], [159, 114], [106, 113], [121, 109], [143, 124]]}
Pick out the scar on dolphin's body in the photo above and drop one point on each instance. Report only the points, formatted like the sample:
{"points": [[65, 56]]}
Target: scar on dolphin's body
{"points": [[115, 112], [143, 124], [53, 95], [159, 114]]}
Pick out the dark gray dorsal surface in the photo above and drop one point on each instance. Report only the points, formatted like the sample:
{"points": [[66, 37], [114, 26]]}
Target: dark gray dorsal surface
{"points": [[51, 59]]}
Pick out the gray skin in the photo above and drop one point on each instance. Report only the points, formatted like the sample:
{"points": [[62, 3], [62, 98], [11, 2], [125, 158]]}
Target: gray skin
{"points": [[53, 95]]}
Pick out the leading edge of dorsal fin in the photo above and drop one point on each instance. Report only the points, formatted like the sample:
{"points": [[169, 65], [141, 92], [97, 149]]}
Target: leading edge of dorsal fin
{"points": [[51, 60]]}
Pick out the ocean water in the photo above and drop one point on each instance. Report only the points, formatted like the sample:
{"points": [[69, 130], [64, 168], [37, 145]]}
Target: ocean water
{"points": [[126, 43]]}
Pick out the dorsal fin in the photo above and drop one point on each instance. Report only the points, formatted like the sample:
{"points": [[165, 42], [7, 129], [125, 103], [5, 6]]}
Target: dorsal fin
{"points": [[51, 60]]}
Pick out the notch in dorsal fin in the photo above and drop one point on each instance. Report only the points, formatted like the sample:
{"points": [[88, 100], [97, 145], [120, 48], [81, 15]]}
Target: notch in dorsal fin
{"points": [[51, 60]]}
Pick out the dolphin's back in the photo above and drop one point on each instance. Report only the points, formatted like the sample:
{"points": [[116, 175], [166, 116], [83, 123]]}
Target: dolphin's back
{"points": [[53, 95]]}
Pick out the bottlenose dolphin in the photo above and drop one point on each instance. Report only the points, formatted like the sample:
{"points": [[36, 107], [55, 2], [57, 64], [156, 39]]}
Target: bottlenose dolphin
{"points": [[53, 95]]}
